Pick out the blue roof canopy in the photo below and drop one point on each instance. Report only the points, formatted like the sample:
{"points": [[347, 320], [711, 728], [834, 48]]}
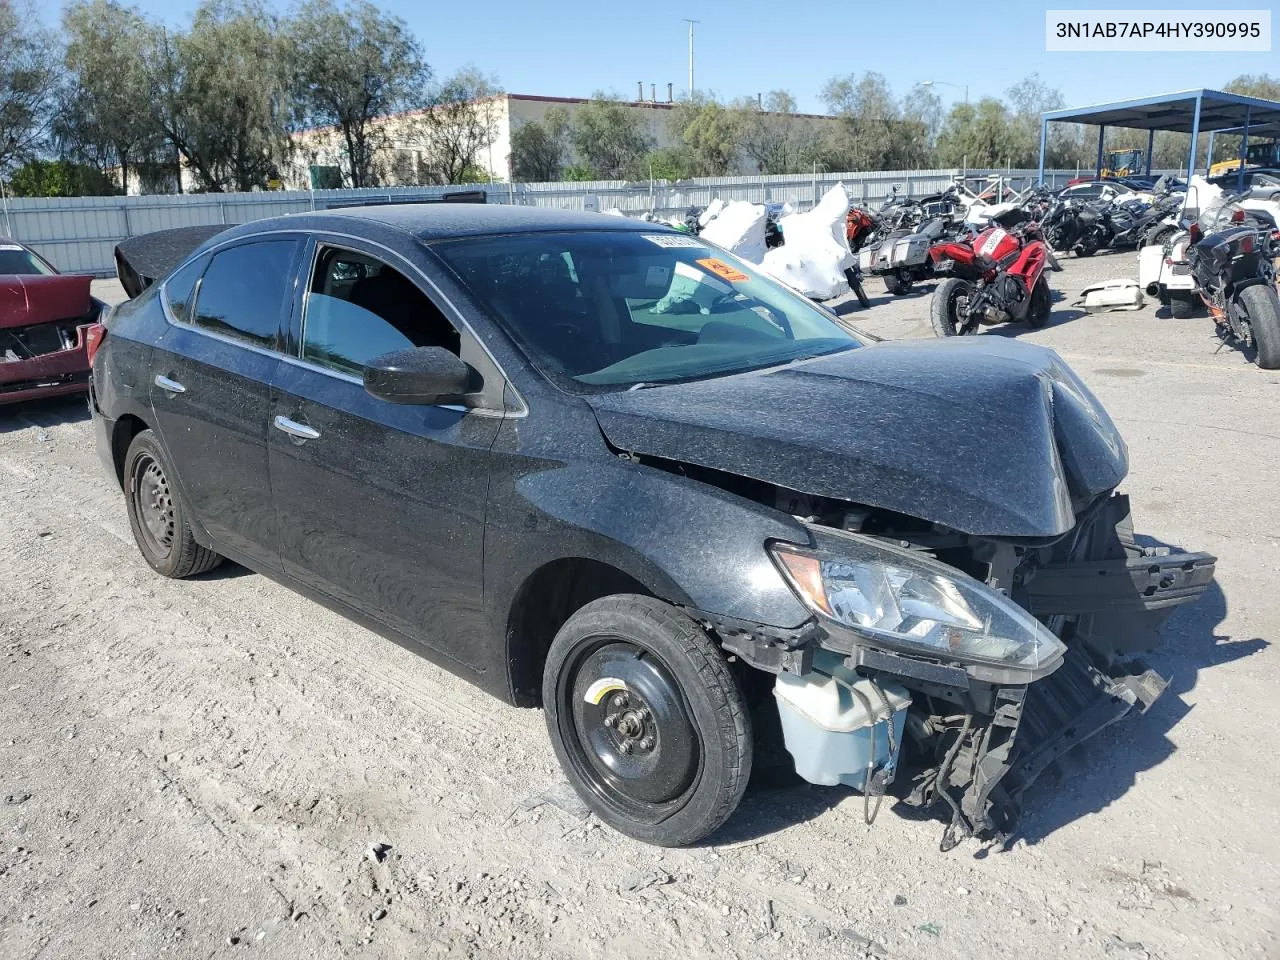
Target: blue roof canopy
{"points": [[1187, 111]]}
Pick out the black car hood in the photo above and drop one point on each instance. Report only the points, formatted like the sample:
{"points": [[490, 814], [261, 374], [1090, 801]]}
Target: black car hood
{"points": [[985, 435]]}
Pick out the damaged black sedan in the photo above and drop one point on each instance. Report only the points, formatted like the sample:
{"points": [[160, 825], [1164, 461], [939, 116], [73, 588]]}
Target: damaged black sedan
{"points": [[608, 469]]}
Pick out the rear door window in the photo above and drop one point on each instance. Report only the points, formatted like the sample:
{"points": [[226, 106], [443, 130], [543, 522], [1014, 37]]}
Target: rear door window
{"points": [[243, 293]]}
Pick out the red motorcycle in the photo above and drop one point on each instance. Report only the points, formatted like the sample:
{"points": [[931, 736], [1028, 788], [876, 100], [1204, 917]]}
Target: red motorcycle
{"points": [[994, 277]]}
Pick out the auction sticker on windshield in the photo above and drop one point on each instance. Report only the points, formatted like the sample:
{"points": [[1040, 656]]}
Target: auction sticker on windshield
{"points": [[674, 240], [722, 270]]}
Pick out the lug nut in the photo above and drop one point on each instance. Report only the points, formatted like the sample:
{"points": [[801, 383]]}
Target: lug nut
{"points": [[619, 701], [643, 714], [611, 720], [646, 743], [625, 746]]}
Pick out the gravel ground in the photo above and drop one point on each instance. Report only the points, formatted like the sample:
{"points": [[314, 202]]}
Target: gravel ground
{"points": [[217, 767]]}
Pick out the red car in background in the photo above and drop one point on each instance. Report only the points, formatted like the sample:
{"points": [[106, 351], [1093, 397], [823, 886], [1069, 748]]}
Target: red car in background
{"points": [[45, 321]]}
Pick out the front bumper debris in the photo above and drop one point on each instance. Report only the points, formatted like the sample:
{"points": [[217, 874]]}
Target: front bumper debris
{"points": [[982, 738]]}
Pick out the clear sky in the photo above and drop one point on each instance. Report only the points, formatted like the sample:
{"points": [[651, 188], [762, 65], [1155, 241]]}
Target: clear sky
{"points": [[573, 48]]}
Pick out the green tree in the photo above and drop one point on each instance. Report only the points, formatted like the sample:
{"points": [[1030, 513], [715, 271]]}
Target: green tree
{"points": [[710, 132], [608, 138], [873, 133], [227, 100], [459, 124], [977, 135], [103, 119], [670, 163], [356, 66], [60, 178], [538, 146], [28, 81], [772, 137]]}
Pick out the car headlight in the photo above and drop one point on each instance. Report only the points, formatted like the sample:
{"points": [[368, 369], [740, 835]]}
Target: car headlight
{"points": [[906, 600]]}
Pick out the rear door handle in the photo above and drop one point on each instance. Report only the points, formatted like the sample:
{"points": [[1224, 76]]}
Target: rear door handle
{"points": [[299, 431], [171, 386]]}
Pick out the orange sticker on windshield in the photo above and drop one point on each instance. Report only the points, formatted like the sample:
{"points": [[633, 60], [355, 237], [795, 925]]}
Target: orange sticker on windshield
{"points": [[722, 270]]}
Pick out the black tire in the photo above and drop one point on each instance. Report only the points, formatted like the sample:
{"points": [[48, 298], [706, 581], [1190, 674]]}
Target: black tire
{"points": [[1040, 306], [893, 284], [854, 277], [943, 307], [672, 763], [861, 294], [1181, 306], [1158, 237], [1084, 249], [1262, 305], [157, 515]]}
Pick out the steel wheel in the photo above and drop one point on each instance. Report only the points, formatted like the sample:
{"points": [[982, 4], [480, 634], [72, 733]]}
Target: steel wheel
{"points": [[157, 515], [154, 503], [629, 733], [647, 719]]}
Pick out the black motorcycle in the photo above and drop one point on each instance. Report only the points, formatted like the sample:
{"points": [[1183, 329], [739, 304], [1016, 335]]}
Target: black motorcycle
{"points": [[1232, 256], [1082, 228]]}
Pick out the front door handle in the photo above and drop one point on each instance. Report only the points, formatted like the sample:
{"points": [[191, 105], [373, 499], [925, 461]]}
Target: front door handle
{"points": [[299, 431], [171, 386]]}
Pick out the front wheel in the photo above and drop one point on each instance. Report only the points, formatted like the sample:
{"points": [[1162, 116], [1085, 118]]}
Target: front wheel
{"points": [[647, 720], [1040, 305], [1262, 306], [854, 277], [946, 309]]}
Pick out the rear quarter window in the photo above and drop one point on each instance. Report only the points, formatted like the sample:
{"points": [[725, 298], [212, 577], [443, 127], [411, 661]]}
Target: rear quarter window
{"points": [[242, 294], [180, 289]]}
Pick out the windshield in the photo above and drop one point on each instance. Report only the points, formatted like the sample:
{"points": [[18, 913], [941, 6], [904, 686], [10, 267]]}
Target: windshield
{"points": [[19, 260], [607, 310]]}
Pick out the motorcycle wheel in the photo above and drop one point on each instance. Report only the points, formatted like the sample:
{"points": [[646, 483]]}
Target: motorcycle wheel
{"points": [[855, 284], [1038, 309], [1084, 249], [1262, 306], [1158, 236], [944, 310], [1181, 307], [897, 283]]}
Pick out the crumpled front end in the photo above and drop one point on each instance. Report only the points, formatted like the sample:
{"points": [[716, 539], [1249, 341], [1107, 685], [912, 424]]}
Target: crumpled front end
{"points": [[977, 736]]}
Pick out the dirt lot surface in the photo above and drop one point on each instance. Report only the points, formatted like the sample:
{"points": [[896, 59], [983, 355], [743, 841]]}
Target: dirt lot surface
{"points": [[218, 767]]}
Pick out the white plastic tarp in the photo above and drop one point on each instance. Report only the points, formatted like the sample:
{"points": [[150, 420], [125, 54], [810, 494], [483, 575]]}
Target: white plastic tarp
{"points": [[814, 254], [739, 228]]}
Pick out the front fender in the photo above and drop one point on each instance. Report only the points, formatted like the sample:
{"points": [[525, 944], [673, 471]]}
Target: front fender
{"points": [[687, 542]]}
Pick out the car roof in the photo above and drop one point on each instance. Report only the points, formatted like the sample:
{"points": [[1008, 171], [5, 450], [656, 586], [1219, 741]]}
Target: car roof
{"points": [[439, 221]]}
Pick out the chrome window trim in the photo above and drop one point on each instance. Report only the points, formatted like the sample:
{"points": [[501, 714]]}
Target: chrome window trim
{"points": [[464, 327], [458, 319], [195, 294]]}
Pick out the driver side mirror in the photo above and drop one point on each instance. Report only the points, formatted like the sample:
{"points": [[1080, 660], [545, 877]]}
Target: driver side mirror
{"points": [[421, 375]]}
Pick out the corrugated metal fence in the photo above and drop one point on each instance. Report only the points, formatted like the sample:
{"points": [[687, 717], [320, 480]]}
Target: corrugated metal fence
{"points": [[79, 234]]}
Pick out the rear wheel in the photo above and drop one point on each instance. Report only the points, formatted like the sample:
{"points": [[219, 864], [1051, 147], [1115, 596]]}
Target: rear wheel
{"points": [[945, 310], [898, 282], [1041, 304], [156, 513], [1158, 237], [1085, 248], [1262, 306], [647, 720], [1181, 306]]}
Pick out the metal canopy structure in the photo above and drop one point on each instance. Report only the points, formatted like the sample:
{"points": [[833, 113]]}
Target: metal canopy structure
{"points": [[1190, 111]]}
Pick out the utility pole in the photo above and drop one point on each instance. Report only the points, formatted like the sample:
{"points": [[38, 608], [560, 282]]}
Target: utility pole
{"points": [[691, 23]]}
